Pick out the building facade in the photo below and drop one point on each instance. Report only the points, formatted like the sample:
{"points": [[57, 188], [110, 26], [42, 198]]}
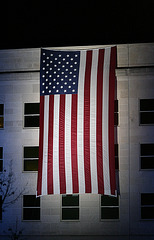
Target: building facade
{"points": [[85, 216]]}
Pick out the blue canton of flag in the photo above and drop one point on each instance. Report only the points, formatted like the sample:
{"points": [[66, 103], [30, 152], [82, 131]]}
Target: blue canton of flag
{"points": [[59, 72]]}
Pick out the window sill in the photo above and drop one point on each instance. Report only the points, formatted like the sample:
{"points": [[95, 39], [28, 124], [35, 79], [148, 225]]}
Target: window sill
{"points": [[147, 170], [146, 124], [31, 220], [31, 128], [70, 220], [110, 220], [146, 220]]}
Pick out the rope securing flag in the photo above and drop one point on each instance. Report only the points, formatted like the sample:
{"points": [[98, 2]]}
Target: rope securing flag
{"points": [[76, 145]]}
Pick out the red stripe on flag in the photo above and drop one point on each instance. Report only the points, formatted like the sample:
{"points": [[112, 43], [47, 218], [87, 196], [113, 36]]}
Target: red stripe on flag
{"points": [[99, 122], [50, 145], [74, 144], [111, 119], [62, 145], [39, 183], [87, 123]]}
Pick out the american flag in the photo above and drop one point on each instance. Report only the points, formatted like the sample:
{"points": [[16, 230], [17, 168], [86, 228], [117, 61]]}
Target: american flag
{"points": [[76, 146]]}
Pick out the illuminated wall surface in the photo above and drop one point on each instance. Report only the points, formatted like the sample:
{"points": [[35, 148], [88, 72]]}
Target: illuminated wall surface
{"points": [[131, 215]]}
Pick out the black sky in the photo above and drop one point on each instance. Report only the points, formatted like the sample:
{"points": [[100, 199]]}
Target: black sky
{"points": [[69, 23]]}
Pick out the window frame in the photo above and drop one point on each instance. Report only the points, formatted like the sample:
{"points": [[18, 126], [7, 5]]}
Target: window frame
{"points": [[65, 207], [2, 159], [147, 206], [110, 219], [141, 111], [30, 207], [145, 169], [2, 116], [29, 171], [30, 115]]}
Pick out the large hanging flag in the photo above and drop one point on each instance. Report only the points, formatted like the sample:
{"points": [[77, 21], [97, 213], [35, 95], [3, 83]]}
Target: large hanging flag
{"points": [[76, 146]]}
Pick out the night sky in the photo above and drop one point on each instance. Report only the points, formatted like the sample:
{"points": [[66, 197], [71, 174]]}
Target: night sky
{"points": [[69, 23]]}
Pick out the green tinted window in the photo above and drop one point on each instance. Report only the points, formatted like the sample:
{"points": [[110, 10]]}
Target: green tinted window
{"points": [[31, 156], [109, 207], [70, 207], [31, 114], [31, 207], [147, 156], [147, 111], [147, 206]]}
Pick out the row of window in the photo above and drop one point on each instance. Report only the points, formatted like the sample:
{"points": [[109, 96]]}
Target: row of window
{"points": [[31, 156], [70, 210], [31, 113], [70, 207]]}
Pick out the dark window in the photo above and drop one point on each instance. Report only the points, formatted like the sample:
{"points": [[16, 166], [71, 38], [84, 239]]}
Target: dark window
{"points": [[116, 156], [109, 207], [31, 115], [147, 205], [116, 113], [147, 156], [146, 111], [70, 207], [31, 207], [1, 159], [31, 155], [0, 207], [1, 116]]}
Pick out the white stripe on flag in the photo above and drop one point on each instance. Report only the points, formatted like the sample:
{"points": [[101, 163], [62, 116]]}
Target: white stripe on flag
{"points": [[93, 102], [80, 145], [68, 164], [56, 185], [105, 130], [45, 145]]}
